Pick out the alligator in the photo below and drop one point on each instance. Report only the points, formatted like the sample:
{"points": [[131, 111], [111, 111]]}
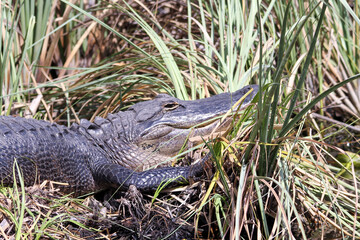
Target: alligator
{"points": [[115, 152]]}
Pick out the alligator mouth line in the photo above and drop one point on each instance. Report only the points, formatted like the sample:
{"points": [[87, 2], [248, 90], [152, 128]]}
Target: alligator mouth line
{"points": [[202, 124], [216, 127]]}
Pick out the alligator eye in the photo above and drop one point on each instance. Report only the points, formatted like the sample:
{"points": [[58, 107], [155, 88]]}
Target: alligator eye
{"points": [[171, 106]]}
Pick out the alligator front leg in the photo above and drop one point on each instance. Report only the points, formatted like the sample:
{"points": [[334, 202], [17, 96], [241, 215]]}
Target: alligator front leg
{"points": [[120, 177]]}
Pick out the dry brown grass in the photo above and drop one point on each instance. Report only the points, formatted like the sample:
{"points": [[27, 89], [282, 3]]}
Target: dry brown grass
{"points": [[124, 75]]}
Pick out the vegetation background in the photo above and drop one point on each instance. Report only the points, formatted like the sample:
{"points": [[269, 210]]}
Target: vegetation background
{"points": [[289, 168]]}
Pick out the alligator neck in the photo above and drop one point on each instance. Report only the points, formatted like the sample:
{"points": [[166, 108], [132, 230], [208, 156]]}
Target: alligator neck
{"points": [[136, 158], [114, 137]]}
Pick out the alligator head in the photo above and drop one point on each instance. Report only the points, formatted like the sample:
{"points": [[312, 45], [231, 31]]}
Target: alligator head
{"points": [[150, 132]]}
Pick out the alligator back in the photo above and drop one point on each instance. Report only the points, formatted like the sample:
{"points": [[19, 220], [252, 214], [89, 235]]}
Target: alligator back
{"points": [[44, 151]]}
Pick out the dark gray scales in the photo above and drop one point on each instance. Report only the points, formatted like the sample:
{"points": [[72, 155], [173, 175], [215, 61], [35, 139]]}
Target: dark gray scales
{"points": [[114, 152]]}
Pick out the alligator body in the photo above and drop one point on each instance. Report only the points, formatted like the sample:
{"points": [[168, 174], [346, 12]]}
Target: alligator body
{"points": [[113, 152]]}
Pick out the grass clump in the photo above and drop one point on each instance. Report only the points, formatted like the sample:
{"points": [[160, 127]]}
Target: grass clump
{"points": [[276, 172]]}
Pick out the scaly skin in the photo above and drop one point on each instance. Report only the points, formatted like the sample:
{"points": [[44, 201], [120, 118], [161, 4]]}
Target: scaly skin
{"points": [[110, 152]]}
